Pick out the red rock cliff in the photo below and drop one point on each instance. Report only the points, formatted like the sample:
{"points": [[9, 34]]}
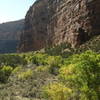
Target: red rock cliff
{"points": [[52, 22], [35, 29]]}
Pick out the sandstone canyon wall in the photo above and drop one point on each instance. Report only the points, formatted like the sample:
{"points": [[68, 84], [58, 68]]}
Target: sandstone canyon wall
{"points": [[52, 22], [35, 30], [10, 36]]}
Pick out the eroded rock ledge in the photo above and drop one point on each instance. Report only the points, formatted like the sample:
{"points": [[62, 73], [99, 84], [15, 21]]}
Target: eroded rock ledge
{"points": [[52, 22]]}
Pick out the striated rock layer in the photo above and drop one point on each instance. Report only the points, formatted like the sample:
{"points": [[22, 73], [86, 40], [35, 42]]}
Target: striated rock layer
{"points": [[52, 22], [10, 36], [35, 31]]}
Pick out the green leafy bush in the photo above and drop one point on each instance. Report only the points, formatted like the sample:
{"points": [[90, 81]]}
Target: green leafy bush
{"points": [[11, 60], [5, 72], [16, 70], [54, 63], [81, 73], [38, 58], [60, 50]]}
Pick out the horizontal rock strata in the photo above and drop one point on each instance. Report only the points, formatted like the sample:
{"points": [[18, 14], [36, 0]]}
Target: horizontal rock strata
{"points": [[52, 22]]}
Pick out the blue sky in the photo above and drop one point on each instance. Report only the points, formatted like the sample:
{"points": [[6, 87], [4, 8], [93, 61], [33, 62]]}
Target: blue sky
{"points": [[11, 10]]}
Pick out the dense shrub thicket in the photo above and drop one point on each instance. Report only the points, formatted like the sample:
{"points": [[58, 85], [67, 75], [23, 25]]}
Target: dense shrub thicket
{"points": [[11, 60], [78, 76]]}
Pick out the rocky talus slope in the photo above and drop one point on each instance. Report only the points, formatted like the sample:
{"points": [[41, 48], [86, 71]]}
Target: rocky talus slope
{"points": [[52, 22], [10, 35]]}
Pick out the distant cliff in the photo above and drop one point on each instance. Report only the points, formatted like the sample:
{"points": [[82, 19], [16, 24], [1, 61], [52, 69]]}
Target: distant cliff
{"points": [[52, 22], [10, 36]]}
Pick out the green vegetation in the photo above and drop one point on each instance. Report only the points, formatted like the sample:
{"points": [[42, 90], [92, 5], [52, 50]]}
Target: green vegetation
{"points": [[12, 60], [78, 77], [5, 71], [81, 74], [60, 50], [57, 91], [93, 44], [25, 75], [68, 75]]}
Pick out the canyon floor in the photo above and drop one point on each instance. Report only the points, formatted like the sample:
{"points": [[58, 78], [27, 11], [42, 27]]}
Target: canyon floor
{"points": [[60, 73]]}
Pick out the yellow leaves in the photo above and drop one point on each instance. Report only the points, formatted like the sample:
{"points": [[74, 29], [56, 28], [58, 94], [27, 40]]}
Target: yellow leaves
{"points": [[41, 68], [67, 70], [25, 75], [57, 91], [16, 70], [7, 69]]}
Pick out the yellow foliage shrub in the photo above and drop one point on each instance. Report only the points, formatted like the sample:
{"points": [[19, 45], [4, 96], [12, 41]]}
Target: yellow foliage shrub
{"points": [[17, 69], [25, 75], [57, 91], [41, 68]]}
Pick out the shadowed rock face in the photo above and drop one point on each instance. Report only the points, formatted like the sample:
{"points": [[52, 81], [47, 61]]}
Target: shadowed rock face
{"points": [[52, 22], [35, 31], [10, 36], [73, 21]]}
